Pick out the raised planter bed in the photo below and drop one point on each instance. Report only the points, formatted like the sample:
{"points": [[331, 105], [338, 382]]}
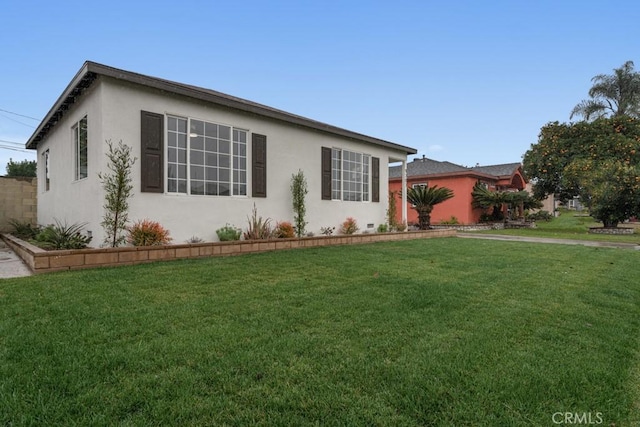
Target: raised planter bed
{"points": [[613, 231], [41, 261]]}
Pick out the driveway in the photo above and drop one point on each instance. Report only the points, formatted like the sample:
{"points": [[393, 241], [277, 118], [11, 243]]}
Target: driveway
{"points": [[10, 264], [549, 240]]}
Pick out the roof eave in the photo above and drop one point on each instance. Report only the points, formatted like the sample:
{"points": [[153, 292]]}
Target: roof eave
{"points": [[90, 70]]}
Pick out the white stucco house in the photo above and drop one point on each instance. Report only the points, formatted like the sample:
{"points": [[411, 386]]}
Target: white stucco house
{"points": [[204, 158]]}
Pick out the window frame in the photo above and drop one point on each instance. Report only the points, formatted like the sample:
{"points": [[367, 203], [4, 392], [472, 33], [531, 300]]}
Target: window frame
{"points": [[81, 168], [46, 172], [354, 169], [238, 162]]}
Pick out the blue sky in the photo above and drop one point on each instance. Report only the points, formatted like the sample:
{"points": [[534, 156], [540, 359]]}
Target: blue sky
{"points": [[463, 81]]}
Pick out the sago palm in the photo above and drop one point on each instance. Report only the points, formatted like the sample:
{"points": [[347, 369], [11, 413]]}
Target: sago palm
{"points": [[424, 198]]}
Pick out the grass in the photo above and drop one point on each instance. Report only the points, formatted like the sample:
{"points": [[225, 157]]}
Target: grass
{"points": [[569, 225], [435, 332]]}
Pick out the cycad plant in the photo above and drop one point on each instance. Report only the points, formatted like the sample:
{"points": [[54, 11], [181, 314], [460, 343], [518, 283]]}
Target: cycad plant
{"points": [[424, 198]]}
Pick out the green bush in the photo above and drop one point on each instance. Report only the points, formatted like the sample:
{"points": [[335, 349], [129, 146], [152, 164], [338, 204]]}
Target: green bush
{"points": [[383, 228], [228, 233], [61, 236], [451, 221], [539, 216], [24, 229]]}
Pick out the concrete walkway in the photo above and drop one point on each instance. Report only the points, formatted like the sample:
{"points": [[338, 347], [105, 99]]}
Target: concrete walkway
{"points": [[10, 264], [549, 240]]}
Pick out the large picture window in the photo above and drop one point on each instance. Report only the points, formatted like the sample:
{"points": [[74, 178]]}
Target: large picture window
{"points": [[350, 173], [80, 148], [205, 158]]}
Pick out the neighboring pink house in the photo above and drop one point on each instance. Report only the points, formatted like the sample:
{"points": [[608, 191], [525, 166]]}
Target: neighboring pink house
{"points": [[458, 178]]}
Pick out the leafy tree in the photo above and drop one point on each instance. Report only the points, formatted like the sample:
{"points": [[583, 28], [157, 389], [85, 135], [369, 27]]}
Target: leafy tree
{"points": [[616, 94], [598, 161], [24, 168], [485, 199], [117, 187], [424, 198], [298, 192]]}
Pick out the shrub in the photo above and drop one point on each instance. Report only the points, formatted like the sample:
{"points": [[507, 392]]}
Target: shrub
{"points": [[148, 233], [349, 226], [259, 229], [327, 231], [228, 233], [284, 230], [451, 221], [539, 216], [24, 229], [298, 192], [400, 226], [383, 228], [61, 236], [194, 239]]}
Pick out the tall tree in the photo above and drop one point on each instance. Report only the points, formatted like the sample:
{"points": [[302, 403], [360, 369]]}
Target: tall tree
{"points": [[598, 161], [616, 94], [23, 168], [424, 198]]}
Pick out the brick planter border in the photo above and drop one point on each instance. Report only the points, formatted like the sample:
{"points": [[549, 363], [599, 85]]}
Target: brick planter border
{"points": [[41, 261]]}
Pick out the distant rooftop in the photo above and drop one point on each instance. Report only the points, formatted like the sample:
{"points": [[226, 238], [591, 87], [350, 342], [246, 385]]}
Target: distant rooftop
{"points": [[425, 166]]}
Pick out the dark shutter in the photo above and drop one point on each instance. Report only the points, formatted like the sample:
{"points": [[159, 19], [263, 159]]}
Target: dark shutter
{"points": [[375, 179], [326, 173], [259, 165], [152, 149]]}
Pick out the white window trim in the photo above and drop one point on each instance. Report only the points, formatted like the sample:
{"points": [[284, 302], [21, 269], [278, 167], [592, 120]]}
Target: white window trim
{"points": [[247, 168], [75, 132], [343, 172]]}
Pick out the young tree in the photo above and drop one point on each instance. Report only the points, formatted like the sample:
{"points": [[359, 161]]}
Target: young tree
{"points": [[24, 168], [424, 198], [616, 94], [298, 192], [598, 161], [117, 187]]}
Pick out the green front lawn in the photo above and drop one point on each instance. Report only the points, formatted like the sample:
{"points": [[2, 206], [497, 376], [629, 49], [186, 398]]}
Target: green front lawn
{"points": [[570, 225], [434, 332]]}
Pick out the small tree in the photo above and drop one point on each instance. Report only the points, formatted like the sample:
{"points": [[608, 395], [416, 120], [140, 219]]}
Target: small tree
{"points": [[392, 211], [298, 192], [117, 187], [23, 168], [424, 198]]}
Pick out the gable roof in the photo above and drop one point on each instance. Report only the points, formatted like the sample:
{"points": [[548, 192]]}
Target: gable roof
{"points": [[503, 170], [90, 71]]}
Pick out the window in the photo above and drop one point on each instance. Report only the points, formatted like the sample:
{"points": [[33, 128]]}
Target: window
{"points": [[208, 159], [45, 161], [80, 148], [350, 173]]}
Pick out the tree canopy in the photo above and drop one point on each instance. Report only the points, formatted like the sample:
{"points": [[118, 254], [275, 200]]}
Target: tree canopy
{"points": [[24, 168], [616, 94], [598, 161]]}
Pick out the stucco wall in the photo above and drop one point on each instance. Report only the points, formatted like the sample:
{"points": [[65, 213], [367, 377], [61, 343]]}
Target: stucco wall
{"points": [[458, 206], [17, 201], [113, 111]]}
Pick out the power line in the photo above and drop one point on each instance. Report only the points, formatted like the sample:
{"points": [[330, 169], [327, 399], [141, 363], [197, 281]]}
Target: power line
{"points": [[17, 121], [12, 142], [6, 147], [17, 114]]}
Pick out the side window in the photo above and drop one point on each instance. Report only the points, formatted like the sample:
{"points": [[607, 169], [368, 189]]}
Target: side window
{"points": [[45, 162], [80, 148]]}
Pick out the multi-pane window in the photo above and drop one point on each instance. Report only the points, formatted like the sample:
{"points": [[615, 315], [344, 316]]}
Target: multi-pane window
{"points": [[209, 159], [350, 173], [80, 148]]}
